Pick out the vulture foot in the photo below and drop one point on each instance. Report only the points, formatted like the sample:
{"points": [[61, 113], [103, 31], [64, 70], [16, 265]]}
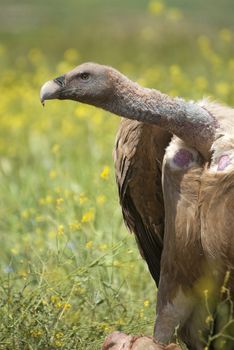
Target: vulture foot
{"points": [[122, 341]]}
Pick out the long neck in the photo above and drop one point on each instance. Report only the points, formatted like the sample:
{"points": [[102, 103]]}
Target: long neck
{"points": [[187, 120]]}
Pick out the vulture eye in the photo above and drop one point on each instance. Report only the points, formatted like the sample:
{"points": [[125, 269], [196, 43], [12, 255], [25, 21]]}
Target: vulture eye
{"points": [[84, 76]]}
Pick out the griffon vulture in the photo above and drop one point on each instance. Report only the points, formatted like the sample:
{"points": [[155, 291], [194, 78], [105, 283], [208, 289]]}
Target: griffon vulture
{"points": [[184, 227]]}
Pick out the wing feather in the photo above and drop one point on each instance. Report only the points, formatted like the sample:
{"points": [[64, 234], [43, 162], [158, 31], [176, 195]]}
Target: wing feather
{"points": [[138, 160]]}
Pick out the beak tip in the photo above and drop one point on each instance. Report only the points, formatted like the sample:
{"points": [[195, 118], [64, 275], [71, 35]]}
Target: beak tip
{"points": [[42, 100], [49, 90]]}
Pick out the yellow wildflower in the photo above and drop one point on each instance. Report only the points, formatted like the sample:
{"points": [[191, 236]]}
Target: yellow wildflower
{"points": [[52, 234], [36, 333], [75, 226], [226, 35], [53, 174], [25, 214], [58, 343], [48, 199], [103, 247], [175, 70], [42, 201], [39, 218], [15, 251], [71, 55], [82, 198], [116, 263], [60, 230], [89, 245], [88, 216], [58, 190], [55, 148], [54, 299], [80, 290], [67, 193], [59, 335], [141, 313], [59, 201], [146, 303], [23, 273], [58, 305], [156, 7], [105, 172], [120, 322], [105, 327], [222, 88], [66, 306], [81, 111]]}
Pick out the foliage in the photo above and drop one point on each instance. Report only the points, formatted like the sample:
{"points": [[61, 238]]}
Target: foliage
{"points": [[70, 273]]}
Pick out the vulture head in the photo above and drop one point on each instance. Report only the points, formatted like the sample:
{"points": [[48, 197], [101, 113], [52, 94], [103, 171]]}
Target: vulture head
{"points": [[89, 83]]}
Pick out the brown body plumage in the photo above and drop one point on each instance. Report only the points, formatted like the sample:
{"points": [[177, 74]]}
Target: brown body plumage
{"points": [[178, 202], [138, 155]]}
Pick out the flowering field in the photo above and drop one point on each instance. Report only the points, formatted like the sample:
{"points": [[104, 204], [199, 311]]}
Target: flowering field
{"points": [[70, 272]]}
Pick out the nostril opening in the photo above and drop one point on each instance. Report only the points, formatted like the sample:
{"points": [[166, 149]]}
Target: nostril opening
{"points": [[60, 80]]}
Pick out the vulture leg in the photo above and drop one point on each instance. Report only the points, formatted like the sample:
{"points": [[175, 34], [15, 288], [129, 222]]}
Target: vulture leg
{"points": [[122, 341], [180, 270]]}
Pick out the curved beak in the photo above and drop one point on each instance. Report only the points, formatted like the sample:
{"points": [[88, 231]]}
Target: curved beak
{"points": [[51, 89]]}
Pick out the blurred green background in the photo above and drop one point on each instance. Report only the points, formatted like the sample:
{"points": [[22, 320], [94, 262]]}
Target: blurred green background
{"points": [[70, 272], [113, 31]]}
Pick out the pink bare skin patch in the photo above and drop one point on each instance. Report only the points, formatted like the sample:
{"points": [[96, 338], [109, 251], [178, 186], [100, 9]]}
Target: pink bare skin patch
{"points": [[182, 158], [223, 162]]}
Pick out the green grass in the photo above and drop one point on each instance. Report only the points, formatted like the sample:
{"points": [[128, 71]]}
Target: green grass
{"points": [[70, 272]]}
